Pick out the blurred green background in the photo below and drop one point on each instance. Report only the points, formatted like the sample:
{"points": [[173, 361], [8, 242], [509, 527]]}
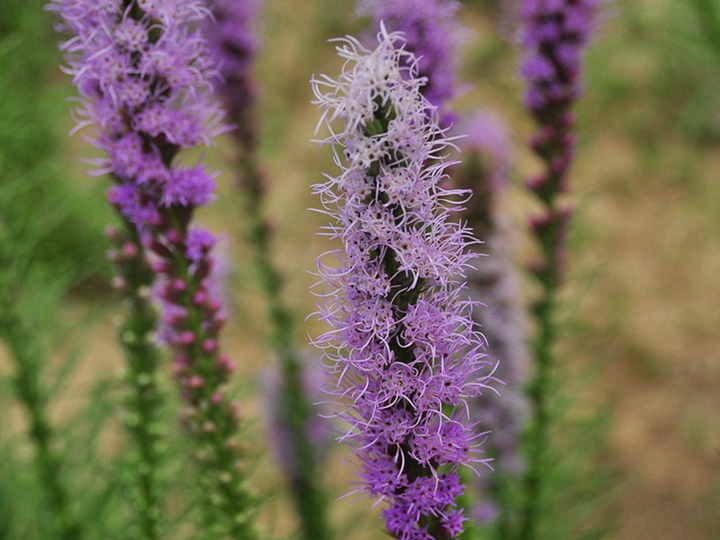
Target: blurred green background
{"points": [[641, 332]]}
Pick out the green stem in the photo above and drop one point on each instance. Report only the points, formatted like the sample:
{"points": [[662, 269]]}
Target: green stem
{"points": [[309, 498], [144, 400], [538, 393]]}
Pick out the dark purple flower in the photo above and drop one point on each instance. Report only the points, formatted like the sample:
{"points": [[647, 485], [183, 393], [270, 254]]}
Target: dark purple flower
{"points": [[555, 34], [432, 35], [402, 349]]}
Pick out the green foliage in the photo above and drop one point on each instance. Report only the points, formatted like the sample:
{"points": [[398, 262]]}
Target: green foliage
{"points": [[32, 187]]}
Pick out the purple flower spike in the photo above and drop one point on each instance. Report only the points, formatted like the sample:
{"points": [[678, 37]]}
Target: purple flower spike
{"points": [[143, 70], [432, 35], [234, 45], [554, 37], [277, 420], [555, 33], [402, 350]]}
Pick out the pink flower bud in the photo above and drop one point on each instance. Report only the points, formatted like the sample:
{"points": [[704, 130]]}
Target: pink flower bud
{"points": [[186, 337], [129, 250], [173, 236], [209, 345]]}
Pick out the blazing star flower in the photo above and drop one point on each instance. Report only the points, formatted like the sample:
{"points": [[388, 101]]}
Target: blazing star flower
{"points": [[142, 68], [432, 35], [554, 36], [142, 71], [402, 350]]}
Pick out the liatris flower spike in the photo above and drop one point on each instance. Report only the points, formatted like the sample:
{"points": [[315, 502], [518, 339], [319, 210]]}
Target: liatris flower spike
{"points": [[278, 421], [555, 33], [143, 70], [432, 34], [402, 351]]}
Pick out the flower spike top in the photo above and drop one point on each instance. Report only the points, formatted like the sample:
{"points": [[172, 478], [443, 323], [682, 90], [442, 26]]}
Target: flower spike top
{"points": [[401, 351], [142, 70], [432, 34], [555, 34]]}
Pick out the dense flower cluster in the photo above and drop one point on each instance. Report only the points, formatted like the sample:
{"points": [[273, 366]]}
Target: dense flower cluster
{"points": [[143, 70], [554, 37], [402, 350], [432, 35], [555, 33], [493, 282]]}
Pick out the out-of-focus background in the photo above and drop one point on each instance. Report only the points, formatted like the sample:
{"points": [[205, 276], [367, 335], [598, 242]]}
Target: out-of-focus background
{"points": [[640, 345]]}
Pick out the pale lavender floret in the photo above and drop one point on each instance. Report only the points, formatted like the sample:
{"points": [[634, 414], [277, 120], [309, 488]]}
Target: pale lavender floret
{"points": [[432, 35], [277, 419], [493, 281], [485, 135], [402, 350]]}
